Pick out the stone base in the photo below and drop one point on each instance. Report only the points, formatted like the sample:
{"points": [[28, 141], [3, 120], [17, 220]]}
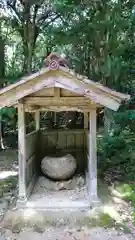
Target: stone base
{"points": [[95, 202], [21, 202]]}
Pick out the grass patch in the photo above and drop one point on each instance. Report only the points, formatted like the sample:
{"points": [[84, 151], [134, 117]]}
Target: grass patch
{"points": [[7, 185], [105, 221], [102, 220], [127, 192]]}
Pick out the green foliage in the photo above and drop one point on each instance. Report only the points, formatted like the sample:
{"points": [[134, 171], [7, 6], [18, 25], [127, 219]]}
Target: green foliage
{"points": [[98, 38], [7, 185], [129, 195], [118, 149], [101, 220], [9, 112], [127, 191]]}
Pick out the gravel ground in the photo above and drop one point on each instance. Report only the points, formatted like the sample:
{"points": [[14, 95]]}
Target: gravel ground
{"points": [[73, 195], [69, 234]]}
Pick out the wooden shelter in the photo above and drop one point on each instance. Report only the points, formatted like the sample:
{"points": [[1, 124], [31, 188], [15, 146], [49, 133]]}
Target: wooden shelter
{"points": [[57, 88]]}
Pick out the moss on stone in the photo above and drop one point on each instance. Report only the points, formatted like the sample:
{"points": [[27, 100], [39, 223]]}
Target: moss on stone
{"points": [[101, 220]]}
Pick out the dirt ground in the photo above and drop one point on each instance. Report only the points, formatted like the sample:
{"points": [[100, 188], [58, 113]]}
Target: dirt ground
{"points": [[113, 208], [69, 234]]}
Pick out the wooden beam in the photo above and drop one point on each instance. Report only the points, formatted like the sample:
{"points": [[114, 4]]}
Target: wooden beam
{"points": [[31, 185], [37, 119], [86, 121], [56, 92], [62, 101], [82, 109], [10, 98], [80, 104], [94, 84], [86, 90], [22, 152], [56, 95], [92, 158]]}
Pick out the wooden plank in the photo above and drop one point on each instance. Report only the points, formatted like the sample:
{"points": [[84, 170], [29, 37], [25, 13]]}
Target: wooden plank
{"points": [[59, 104], [87, 142], [11, 97], [56, 92], [31, 143], [65, 101], [37, 120], [24, 80], [65, 79], [64, 131], [92, 158], [61, 140], [56, 95], [52, 140], [66, 93], [70, 140], [86, 121], [82, 109], [22, 152], [80, 140], [29, 168], [31, 159], [43, 140], [45, 92], [94, 84], [96, 97], [31, 185], [85, 90]]}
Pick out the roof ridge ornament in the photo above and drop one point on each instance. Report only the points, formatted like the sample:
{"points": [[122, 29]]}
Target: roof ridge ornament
{"points": [[54, 60]]}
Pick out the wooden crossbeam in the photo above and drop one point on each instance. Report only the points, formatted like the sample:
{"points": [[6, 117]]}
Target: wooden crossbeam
{"points": [[59, 101]]}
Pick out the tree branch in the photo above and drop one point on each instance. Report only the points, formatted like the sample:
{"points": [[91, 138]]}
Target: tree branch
{"points": [[35, 13], [44, 16], [13, 7], [52, 20]]}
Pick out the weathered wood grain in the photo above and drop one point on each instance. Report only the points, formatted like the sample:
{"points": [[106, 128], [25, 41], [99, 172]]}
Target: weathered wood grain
{"points": [[37, 120], [86, 90], [31, 143], [45, 92], [22, 152], [63, 139], [11, 97], [65, 101], [86, 121], [65, 79], [30, 168], [66, 93], [92, 158]]}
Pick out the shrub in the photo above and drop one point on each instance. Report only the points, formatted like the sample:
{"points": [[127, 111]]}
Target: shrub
{"points": [[118, 150]]}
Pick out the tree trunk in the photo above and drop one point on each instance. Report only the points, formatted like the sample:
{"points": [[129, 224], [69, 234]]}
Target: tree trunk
{"points": [[108, 121], [29, 33], [28, 47], [2, 75]]}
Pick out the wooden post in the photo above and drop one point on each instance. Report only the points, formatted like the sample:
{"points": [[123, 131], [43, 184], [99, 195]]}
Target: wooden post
{"points": [[37, 119], [86, 122], [92, 158], [22, 152]]}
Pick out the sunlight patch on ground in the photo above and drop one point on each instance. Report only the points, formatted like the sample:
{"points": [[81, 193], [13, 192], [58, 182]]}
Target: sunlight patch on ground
{"points": [[122, 191], [6, 174], [28, 213], [112, 212], [118, 194], [119, 201]]}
